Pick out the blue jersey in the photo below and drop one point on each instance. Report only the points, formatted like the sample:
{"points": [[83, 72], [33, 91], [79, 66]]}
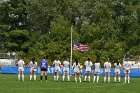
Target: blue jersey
{"points": [[44, 64]]}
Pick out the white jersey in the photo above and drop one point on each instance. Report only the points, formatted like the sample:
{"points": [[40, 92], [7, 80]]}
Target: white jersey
{"points": [[56, 63], [97, 68], [127, 65], [66, 67], [66, 64], [97, 65], [21, 63], [117, 66], [88, 65], [33, 65], [107, 67], [76, 67]]}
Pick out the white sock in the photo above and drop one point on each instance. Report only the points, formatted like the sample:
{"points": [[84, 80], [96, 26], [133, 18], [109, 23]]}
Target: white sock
{"points": [[54, 78], [105, 79], [80, 79], [109, 79], [125, 79], [97, 79], [19, 77], [34, 77], [119, 79], [75, 79], [22, 77], [63, 78], [30, 77], [85, 78], [88, 78], [114, 79], [68, 78], [94, 79], [57, 77], [128, 79]]}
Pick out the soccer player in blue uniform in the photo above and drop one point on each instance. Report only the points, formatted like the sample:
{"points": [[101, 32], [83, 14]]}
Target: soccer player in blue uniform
{"points": [[44, 68]]}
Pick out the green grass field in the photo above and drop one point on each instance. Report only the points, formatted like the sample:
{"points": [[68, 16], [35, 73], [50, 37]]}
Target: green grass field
{"points": [[9, 84]]}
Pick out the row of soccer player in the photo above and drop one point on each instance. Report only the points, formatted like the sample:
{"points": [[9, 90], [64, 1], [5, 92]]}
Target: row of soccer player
{"points": [[76, 66]]}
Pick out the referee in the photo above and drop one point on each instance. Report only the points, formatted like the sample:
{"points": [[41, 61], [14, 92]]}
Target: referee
{"points": [[44, 68]]}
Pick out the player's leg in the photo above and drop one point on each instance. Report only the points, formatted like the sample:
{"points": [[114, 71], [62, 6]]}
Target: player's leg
{"points": [[64, 74], [104, 76], [88, 75], [34, 71], [22, 74], [45, 73], [97, 77], [85, 76], [125, 78], [57, 75], [128, 76], [68, 75], [94, 77], [119, 77], [31, 71], [79, 77], [41, 76], [75, 73], [109, 76], [115, 76], [19, 74]]}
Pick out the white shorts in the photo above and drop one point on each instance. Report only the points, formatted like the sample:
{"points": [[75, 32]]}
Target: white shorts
{"points": [[88, 69], [20, 69], [66, 70], [33, 69], [107, 70], [97, 71], [117, 71], [76, 71], [57, 69], [126, 70]]}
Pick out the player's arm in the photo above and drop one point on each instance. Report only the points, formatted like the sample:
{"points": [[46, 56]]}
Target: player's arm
{"points": [[91, 65], [73, 66], [23, 64], [53, 63], [59, 64]]}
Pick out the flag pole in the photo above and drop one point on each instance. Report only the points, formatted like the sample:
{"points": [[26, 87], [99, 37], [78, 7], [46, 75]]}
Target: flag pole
{"points": [[71, 48]]}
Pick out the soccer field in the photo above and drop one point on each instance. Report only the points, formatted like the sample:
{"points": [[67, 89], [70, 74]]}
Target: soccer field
{"points": [[9, 84]]}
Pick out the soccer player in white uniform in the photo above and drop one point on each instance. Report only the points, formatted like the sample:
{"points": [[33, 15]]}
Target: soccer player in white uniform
{"points": [[107, 70], [96, 71], [56, 64], [117, 70], [76, 67], [88, 65], [21, 69], [66, 65], [33, 66], [127, 66]]}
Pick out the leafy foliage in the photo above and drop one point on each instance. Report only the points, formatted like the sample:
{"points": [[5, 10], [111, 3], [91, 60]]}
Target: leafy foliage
{"points": [[43, 27]]}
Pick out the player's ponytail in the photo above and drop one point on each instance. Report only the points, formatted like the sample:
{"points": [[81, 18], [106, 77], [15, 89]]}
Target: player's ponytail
{"points": [[76, 62], [117, 62], [33, 60]]}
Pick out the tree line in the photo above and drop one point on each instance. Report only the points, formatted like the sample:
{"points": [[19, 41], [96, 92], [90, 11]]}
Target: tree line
{"points": [[42, 27]]}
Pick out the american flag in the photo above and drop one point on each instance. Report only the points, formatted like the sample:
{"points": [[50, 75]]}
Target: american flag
{"points": [[80, 47]]}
